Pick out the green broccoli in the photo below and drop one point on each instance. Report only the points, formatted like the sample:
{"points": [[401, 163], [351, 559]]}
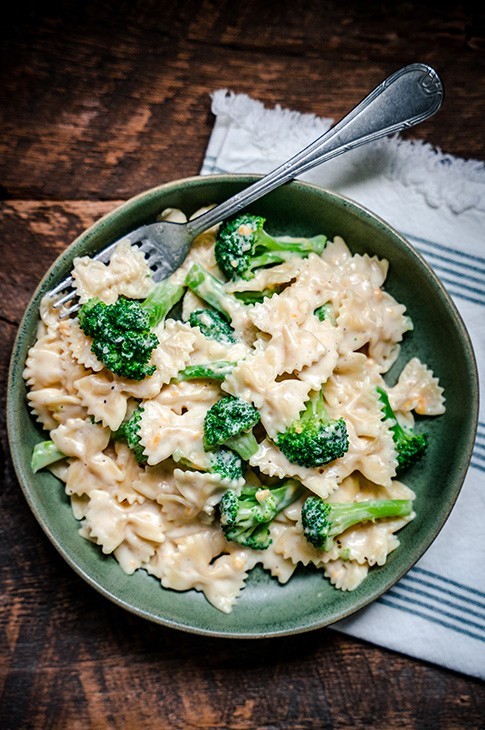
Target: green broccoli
{"points": [[326, 313], [242, 245], [229, 422], [256, 297], [211, 290], [227, 464], [44, 454], [129, 432], [324, 521], [122, 332], [223, 461], [245, 517], [213, 325], [410, 446], [314, 439], [217, 370]]}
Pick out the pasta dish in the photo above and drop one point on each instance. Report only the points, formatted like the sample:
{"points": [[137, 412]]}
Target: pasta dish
{"points": [[235, 414]]}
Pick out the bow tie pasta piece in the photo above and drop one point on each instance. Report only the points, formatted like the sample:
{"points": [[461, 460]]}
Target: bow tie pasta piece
{"points": [[374, 455], [131, 532], [206, 562], [43, 367], [206, 349], [290, 544], [186, 394], [278, 402], [280, 567], [162, 432], [184, 496], [79, 345], [52, 406], [80, 438], [130, 471], [365, 313], [176, 343], [375, 458], [320, 480], [127, 274], [97, 471], [346, 575], [49, 374], [104, 397], [351, 392], [291, 308], [354, 270], [301, 338], [317, 373], [191, 495], [374, 319], [295, 348], [314, 285], [152, 480], [337, 254], [89, 467], [417, 390], [49, 316]]}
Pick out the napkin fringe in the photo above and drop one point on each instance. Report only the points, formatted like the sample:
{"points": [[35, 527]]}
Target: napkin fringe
{"points": [[440, 177]]}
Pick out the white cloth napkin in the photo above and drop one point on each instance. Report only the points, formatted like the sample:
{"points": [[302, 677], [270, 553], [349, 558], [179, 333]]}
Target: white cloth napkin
{"points": [[437, 611]]}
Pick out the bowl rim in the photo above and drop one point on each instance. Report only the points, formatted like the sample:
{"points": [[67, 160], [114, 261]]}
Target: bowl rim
{"points": [[12, 416]]}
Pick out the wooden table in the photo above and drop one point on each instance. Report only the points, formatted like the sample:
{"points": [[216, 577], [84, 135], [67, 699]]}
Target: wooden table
{"points": [[102, 100]]}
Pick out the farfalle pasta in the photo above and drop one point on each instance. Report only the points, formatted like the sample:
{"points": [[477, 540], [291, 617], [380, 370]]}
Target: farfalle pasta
{"points": [[146, 483]]}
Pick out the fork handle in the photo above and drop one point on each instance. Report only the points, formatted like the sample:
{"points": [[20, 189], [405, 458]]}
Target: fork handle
{"points": [[404, 99]]}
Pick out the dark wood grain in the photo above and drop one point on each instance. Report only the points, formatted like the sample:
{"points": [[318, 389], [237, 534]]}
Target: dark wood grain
{"points": [[101, 100], [96, 100]]}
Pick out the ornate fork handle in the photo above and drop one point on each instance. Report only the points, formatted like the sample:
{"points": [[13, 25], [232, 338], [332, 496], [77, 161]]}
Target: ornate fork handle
{"points": [[404, 99]]}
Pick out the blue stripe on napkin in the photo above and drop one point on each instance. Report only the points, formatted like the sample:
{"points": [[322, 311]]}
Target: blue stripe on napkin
{"points": [[463, 274], [445, 601]]}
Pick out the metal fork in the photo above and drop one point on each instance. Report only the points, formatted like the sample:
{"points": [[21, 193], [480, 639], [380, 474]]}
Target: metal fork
{"points": [[404, 99]]}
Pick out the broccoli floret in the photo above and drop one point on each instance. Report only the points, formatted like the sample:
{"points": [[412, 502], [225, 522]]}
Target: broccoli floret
{"points": [[213, 325], [323, 522], [211, 290], [325, 313], [410, 446], [227, 464], [314, 439], [122, 334], [44, 454], [129, 431], [217, 370], [242, 245], [223, 461], [245, 517], [229, 422]]}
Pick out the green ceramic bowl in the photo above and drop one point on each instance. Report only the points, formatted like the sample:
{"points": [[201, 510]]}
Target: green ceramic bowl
{"points": [[440, 339]]}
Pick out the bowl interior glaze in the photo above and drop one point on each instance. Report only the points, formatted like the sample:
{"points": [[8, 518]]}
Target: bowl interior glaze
{"points": [[439, 339]]}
